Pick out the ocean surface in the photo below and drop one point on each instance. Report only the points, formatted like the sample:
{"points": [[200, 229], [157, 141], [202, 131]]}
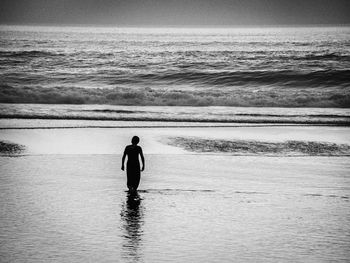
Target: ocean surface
{"points": [[67, 115], [285, 67]]}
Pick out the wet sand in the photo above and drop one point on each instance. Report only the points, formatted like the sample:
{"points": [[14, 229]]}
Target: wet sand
{"points": [[65, 199]]}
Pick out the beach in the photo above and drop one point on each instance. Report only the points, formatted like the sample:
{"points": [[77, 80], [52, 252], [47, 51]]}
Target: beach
{"points": [[64, 198], [245, 132]]}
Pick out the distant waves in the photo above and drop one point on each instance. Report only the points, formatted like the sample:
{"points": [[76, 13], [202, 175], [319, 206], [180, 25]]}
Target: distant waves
{"points": [[197, 69], [289, 67]]}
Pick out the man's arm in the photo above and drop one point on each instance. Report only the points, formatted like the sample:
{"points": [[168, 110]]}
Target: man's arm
{"points": [[142, 160], [123, 159]]}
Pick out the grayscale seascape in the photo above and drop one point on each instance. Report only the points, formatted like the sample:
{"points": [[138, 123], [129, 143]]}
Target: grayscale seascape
{"points": [[64, 199], [285, 67], [245, 132]]}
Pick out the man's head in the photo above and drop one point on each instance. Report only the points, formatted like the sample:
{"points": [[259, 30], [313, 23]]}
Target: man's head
{"points": [[135, 140]]}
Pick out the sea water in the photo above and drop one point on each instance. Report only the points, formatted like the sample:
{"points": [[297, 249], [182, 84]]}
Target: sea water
{"points": [[285, 66], [59, 115], [190, 208]]}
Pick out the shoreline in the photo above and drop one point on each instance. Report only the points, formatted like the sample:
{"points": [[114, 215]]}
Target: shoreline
{"points": [[49, 123], [155, 139], [187, 120]]}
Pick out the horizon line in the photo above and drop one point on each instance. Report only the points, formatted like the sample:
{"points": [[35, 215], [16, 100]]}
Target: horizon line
{"points": [[176, 26]]}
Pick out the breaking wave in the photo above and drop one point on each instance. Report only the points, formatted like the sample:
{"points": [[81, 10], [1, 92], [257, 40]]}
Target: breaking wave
{"points": [[325, 56], [28, 54], [243, 78], [252, 97]]}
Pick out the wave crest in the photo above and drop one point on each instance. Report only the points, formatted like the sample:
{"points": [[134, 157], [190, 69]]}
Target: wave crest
{"points": [[161, 97], [246, 78], [325, 56], [28, 54]]}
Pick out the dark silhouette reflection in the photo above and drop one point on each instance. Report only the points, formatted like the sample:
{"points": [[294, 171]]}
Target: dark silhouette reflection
{"points": [[132, 221]]}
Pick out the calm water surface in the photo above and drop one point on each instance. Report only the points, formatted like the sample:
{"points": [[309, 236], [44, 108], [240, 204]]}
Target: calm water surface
{"points": [[74, 208]]}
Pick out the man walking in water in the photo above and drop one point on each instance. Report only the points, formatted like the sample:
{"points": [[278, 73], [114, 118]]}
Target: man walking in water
{"points": [[133, 171]]}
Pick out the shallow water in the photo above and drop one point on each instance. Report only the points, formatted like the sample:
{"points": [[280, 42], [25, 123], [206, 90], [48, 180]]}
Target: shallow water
{"points": [[65, 199], [155, 140], [191, 208]]}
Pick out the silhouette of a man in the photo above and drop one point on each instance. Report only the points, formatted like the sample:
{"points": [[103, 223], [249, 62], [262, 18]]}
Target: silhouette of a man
{"points": [[133, 170]]}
